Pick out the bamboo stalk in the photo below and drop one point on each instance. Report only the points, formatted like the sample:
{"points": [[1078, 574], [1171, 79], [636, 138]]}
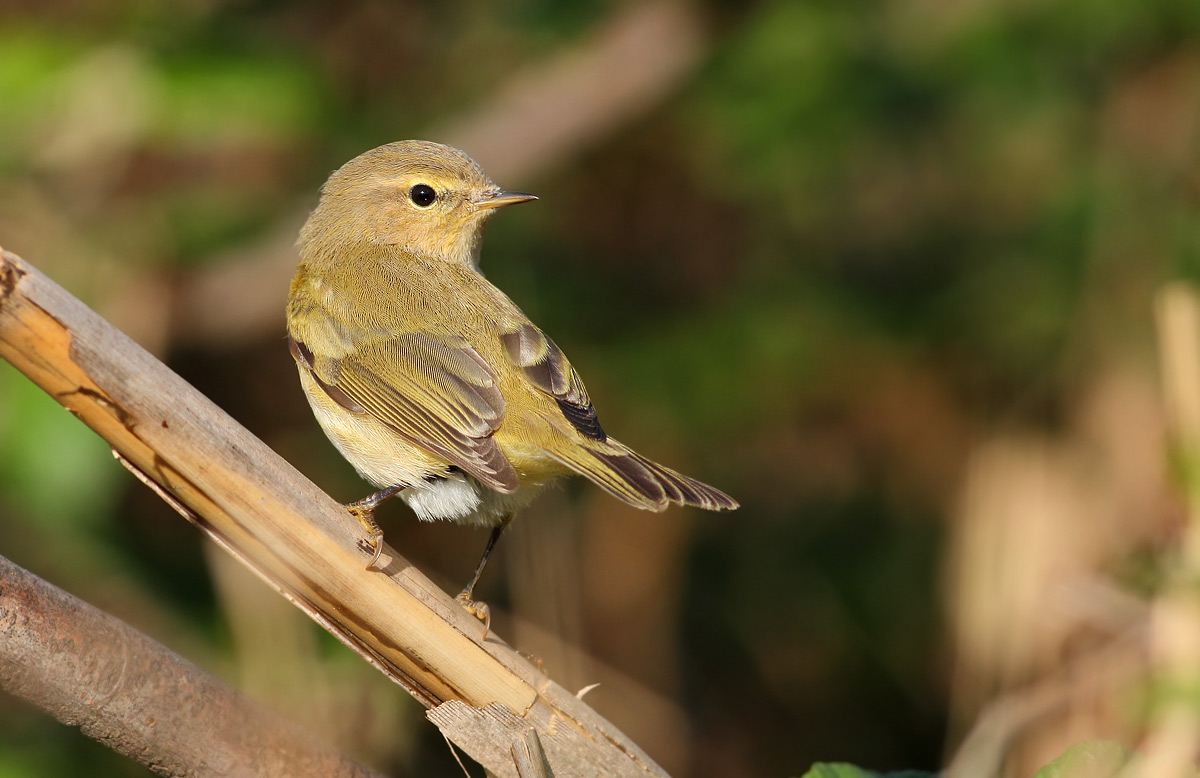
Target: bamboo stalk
{"points": [[297, 538]]}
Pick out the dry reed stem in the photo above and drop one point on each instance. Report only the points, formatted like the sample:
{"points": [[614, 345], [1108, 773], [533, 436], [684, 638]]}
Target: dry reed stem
{"points": [[257, 507], [1172, 743]]}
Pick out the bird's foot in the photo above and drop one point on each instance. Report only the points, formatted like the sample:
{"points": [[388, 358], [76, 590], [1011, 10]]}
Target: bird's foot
{"points": [[374, 542], [364, 511], [479, 610]]}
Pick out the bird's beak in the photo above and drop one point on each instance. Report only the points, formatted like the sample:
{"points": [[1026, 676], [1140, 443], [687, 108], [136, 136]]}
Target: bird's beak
{"points": [[501, 199]]}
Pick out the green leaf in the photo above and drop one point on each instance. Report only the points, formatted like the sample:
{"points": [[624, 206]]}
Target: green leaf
{"points": [[837, 770], [843, 770], [1089, 759]]}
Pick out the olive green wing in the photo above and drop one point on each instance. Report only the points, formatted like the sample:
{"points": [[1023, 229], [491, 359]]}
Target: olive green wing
{"points": [[611, 465], [437, 393]]}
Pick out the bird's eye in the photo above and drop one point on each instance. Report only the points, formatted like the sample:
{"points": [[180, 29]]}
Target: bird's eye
{"points": [[422, 195]]}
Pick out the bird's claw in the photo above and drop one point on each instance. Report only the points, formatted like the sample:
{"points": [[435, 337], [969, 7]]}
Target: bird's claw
{"points": [[375, 545], [479, 610], [374, 541]]}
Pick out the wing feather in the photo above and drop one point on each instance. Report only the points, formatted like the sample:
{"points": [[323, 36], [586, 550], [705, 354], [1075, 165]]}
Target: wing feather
{"points": [[437, 393], [547, 368]]}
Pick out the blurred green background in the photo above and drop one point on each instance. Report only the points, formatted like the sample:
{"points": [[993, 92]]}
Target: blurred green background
{"points": [[817, 253]]}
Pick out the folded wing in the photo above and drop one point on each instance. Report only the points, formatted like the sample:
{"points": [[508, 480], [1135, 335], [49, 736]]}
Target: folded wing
{"points": [[438, 394]]}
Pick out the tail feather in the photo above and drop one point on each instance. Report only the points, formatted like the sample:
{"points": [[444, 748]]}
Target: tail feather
{"points": [[642, 483], [689, 491], [632, 472]]}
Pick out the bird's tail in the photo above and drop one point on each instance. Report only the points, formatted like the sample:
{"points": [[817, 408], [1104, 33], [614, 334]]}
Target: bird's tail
{"points": [[628, 475]]}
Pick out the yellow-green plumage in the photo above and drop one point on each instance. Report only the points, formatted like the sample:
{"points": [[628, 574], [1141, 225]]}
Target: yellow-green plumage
{"points": [[426, 376]]}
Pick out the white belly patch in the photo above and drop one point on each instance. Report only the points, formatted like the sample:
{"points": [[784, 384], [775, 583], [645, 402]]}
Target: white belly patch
{"points": [[447, 498]]}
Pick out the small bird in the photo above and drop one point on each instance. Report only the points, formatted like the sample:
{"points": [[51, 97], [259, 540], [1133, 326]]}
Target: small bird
{"points": [[424, 375]]}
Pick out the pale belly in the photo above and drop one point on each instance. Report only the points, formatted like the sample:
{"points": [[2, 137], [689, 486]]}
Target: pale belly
{"points": [[434, 489]]}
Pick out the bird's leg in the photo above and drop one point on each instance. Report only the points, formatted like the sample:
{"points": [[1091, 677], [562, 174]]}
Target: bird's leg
{"points": [[480, 609], [364, 511]]}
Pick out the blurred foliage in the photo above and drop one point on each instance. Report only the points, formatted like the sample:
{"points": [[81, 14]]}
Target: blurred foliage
{"points": [[52, 467], [850, 771], [1090, 759], [858, 236]]}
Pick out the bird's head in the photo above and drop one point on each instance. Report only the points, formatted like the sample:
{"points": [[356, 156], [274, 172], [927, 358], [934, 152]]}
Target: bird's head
{"points": [[425, 196]]}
